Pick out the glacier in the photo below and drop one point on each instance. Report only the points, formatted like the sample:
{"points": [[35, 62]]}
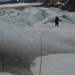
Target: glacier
{"points": [[21, 32]]}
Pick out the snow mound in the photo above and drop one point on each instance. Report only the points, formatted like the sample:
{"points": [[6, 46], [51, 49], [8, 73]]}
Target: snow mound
{"points": [[30, 16], [33, 15], [21, 39], [65, 16], [22, 31], [5, 18], [71, 17]]}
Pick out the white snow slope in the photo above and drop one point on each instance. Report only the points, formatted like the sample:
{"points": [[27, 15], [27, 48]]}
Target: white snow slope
{"points": [[22, 31], [57, 64]]}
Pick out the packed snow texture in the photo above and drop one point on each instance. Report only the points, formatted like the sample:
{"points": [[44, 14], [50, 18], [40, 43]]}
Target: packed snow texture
{"points": [[19, 5], [21, 30], [5, 73], [59, 64]]}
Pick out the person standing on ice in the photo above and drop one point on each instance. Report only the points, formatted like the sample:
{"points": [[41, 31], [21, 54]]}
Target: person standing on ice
{"points": [[57, 21]]}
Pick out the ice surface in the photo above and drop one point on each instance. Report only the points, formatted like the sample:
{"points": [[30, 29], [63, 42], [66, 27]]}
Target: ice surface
{"points": [[58, 64], [23, 31]]}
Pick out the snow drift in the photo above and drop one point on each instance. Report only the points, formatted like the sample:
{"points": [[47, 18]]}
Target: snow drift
{"points": [[55, 64], [33, 15], [21, 31], [21, 40]]}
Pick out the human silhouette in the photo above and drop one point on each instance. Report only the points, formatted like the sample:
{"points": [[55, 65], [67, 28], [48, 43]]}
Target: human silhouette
{"points": [[57, 21]]}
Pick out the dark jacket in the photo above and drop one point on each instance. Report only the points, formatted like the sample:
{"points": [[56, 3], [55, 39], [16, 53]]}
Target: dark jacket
{"points": [[57, 20]]}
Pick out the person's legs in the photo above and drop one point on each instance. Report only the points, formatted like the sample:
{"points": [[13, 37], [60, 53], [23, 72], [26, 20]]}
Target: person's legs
{"points": [[57, 25]]}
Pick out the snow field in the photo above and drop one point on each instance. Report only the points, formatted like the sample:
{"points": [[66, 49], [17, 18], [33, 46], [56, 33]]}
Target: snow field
{"points": [[33, 15], [20, 33], [4, 73], [21, 30], [57, 64]]}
